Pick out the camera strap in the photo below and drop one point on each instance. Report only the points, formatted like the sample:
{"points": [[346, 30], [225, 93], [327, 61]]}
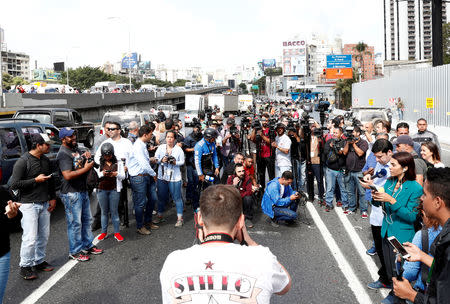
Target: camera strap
{"points": [[218, 237]]}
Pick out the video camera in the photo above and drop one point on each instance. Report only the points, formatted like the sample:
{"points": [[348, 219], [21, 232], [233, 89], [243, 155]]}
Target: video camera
{"points": [[256, 125], [245, 123]]}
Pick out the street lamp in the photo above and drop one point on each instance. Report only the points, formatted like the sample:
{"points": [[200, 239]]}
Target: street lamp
{"points": [[67, 63], [129, 45]]}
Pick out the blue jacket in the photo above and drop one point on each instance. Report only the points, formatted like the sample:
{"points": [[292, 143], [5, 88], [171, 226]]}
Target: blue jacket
{"points": [[272, 197], [202, 148], [400, 217]]}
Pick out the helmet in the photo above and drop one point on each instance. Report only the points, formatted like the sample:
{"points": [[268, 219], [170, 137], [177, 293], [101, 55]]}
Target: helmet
{"points": [[107, 149], [210, 133]]}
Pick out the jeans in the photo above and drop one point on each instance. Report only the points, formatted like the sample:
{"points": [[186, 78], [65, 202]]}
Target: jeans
{"points": [[109, 202], [36, 229], [78, 218], [353, 185], [174, 188], [192, 190], [300, 167], [279, 170], [4, 273], [400, 114], [142, 187], [247, 206], [318, 173], [333, 176], [287, 213]]}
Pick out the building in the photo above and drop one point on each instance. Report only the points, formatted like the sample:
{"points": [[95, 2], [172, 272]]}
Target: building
{"points": [[367, 65], [318, 47], [16, 64], [407, 29]]}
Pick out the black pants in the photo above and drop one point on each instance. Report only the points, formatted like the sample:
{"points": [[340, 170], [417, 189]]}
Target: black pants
{"points": [[269, 163], [376, 233], [318, 173], [247, 206]]}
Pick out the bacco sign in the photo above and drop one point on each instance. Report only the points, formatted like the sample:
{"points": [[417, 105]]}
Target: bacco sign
{"points": [[298, 43]]}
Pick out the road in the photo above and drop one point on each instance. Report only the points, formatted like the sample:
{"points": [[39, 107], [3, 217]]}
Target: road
{"points": [[325, 255]]}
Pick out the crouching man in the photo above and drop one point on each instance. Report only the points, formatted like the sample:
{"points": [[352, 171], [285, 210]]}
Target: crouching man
{"points": [[219, 270]]}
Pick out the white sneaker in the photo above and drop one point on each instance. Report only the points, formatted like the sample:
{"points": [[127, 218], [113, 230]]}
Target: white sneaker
{"points": [[179, 223]]}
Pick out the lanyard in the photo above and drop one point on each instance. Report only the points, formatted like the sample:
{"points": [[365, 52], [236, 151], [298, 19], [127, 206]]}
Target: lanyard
{"points": [[218, 237]]}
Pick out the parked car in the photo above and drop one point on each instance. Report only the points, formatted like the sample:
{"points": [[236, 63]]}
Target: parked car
{"points": [[125, 117], [62, 117], [168, 110], [370, 114], [189, 116]]}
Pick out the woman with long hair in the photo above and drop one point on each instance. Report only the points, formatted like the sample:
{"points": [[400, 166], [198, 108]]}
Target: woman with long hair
{"points": [[399, 199], [110, 173], [430, 154]]}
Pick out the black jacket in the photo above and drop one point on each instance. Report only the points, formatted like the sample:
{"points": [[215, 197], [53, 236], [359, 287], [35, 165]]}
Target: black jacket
{"points": [[438, 291], [337, 165]]}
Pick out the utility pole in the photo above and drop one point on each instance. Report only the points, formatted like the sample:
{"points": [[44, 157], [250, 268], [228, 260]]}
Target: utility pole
{"points": [[436, 32]]}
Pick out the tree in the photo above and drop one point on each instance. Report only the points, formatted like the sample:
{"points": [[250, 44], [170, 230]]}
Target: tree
{"points": [[158, 82], [361, 48], [446, 42], [180, 83], [343, 88], [8, 81], [261, 82], [85, 77]]}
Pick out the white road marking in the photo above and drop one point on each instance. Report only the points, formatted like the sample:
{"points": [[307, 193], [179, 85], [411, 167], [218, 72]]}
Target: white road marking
{"points": [[360, 248], [353, 282], [39, 292]]}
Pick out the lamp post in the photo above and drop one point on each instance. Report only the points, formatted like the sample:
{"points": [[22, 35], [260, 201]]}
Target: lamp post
{"points": [[129, 45], [67, 63]]}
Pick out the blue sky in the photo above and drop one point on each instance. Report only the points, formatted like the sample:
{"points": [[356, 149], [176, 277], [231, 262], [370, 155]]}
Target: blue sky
{"points": [[209, 34]]}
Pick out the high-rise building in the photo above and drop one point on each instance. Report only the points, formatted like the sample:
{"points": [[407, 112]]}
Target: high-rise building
{"points": [[16, 64], [367, 64], [407, 29]]}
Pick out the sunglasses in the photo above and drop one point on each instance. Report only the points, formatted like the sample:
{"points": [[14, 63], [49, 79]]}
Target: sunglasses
{"points": [[112, 129]]}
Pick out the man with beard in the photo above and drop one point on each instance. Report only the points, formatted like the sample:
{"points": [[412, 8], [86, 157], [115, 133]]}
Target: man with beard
{"points": [[74, 166], [243, 183]]}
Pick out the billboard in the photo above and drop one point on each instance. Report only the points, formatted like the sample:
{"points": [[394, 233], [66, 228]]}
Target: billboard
{"points": [[144, 65], [339, 61], [46, 75], [269, 63], [58, 66], [129, 60], [294, 58], [346, 73]]}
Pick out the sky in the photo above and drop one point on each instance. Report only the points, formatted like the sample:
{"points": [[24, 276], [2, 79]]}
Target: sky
{"points": [[180, 33]]}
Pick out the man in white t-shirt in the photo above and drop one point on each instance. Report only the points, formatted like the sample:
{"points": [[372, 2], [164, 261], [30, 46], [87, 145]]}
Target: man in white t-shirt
{"points": [[218, 270], [282, 147]]}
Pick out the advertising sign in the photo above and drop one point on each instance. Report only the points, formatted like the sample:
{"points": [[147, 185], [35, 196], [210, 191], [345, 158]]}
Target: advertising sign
{"points": [[339, 61], [269, 63], [129, 60], [145, 65], [346, 73], [430, 103], [294, 58], [371, 102], [46, 75]]}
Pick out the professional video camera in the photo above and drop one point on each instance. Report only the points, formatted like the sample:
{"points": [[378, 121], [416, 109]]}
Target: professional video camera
{"points": [[349, 134], [273, 128], [234, 131], [256, 125], [245, 123]]}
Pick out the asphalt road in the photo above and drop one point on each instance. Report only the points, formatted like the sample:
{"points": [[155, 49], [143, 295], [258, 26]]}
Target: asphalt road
{"points": [[325, 255]]}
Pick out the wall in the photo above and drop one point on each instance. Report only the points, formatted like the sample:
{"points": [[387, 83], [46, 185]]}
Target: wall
{"points": [[414, 87]]}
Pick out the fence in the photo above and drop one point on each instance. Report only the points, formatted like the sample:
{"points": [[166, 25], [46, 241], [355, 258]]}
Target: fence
{"points": [[425, 93]]}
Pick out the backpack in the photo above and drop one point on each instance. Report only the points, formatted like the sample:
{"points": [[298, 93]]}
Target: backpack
{"points": [[92, 180], [15, 193]]}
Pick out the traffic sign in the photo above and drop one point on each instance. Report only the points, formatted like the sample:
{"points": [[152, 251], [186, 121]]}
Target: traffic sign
{"points": [[339, 61], [370, 102], [430, 103]]}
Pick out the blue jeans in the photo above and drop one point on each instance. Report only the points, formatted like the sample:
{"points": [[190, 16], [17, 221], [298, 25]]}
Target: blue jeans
{"points": [[192, 190], [109, 202], [142, 187], [4, 273], [352, 182], [78, 218], [400, 114], [36, 229], [174, 188], [287, 213], [279, 170], [333, 176]]}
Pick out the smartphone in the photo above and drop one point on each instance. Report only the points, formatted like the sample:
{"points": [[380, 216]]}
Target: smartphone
{"points": [[373, 188], [50, 175], [399, 247], [108, 171]]}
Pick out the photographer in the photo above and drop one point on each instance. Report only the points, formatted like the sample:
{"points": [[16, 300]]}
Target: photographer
{"points": [[170, 157], [222, 223], [282, 147], [264, 158], [297, 156], [229, 170], [205, 157], [231, 141], [355, 149], [243, 183], [192, 191], [334, 159]]}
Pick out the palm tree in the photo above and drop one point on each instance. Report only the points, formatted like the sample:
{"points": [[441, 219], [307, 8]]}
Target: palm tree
{"points": [[343, 88], [361, 48]]}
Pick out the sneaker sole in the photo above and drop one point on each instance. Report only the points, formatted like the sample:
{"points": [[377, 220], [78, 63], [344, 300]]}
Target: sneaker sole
{"points": [[118, 240], [371, 254], [29, 278], [384, 287], [79, 260]]}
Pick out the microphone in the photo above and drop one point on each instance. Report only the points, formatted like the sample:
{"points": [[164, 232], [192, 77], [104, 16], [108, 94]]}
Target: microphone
{"points": [[379, 174]]}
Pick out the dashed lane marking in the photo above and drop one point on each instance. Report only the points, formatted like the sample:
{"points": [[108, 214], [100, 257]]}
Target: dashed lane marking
{"points": [[353, 282]]}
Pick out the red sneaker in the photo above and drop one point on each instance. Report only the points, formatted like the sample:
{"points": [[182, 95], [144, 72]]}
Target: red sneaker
{"points": [[118, 237], [101, 236], [339, 204], [93, 250]]}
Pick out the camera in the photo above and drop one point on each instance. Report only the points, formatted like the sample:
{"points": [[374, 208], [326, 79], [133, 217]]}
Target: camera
{"points": [[256, 125], [234, 131], [171, 160], [339, 144], [245, 123], [85, 159]]}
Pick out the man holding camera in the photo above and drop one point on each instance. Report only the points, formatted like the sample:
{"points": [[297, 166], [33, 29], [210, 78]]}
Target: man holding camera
{"points": [[206, 159], [230, 142], [217, 270], [243, 183], [355, 149], [282, 147], [279, 201], [334, 159], [74, 166], [192, 191]]}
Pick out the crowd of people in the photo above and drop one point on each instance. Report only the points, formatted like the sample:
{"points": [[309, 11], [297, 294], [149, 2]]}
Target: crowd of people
{"points": [[363, 169]]}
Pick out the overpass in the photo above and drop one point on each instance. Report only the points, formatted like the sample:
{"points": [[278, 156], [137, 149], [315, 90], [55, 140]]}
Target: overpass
{"points": [[93, 106]]}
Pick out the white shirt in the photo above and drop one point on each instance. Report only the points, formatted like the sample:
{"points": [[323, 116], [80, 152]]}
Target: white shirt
{"points": [[376, 213], [226, 273], [122, 149], [283, 159], [166, 171]]}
